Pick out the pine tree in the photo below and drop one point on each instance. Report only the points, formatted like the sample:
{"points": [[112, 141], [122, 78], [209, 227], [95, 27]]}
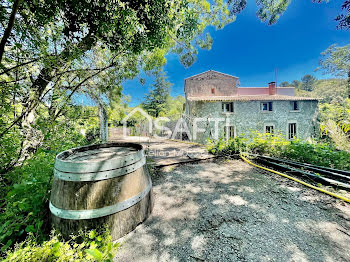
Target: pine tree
{"points": [[156, 99], [308, 82]]}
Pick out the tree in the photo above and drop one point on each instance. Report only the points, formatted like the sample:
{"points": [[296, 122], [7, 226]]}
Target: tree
{"points": [[295, 83], [55, 34], [327, 90], [307, 83], [335, 123], [156, 100], [344, 18], [175, 107], [336, 61], [285, 83], [45, 58], [270, 10]]}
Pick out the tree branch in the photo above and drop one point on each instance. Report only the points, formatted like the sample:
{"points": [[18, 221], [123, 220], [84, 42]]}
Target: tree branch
{"points": [[79, 85], [9, 27], [20, 65]]}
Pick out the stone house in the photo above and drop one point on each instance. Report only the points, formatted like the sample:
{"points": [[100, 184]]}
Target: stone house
{"points": [[215, 101]]}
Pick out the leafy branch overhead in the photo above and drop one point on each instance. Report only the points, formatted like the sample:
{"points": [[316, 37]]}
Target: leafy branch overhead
{"points": [[336, 61], [55, 50]]}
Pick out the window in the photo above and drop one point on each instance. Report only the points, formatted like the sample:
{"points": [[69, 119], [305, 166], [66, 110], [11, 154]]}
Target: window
{"points": [[295, 105], [229, 132], [213, 90], [269, 129], [292, 130], [266, 106], [227, 107]]}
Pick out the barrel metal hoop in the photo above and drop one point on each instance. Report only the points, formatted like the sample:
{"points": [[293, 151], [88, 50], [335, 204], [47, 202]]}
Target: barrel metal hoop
{"points": [[100, 212], [91, 166], [96, 176]]}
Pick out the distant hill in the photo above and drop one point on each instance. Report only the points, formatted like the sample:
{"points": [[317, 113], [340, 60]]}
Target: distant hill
{"points": [[327, 90]]}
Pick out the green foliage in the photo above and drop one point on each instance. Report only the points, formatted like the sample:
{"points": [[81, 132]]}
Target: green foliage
{"points": [[307, 82], [334, 110], [254, 142], [266, 143], [335, 123], [327, 90], [156, 100], [295, 83], [271, 10], [276, 146], [321, 154], [336, 60], [332, 94], [284, 84], [340, 113], [120, 25], [10, 149], [26, 203], [25, 190], [226, 148], [344, 17], [174, 108], [88, 246], [59, 48]]}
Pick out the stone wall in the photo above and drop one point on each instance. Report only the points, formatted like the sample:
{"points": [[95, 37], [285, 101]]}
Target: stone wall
{"points": [[248, 117], [203, 84]]}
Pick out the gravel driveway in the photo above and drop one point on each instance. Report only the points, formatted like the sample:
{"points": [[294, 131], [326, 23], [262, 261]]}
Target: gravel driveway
{"points": [[231, 211]]}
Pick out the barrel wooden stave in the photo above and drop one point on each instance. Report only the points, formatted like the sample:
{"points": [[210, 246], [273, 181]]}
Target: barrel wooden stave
{"points": [[98, 194], [87, 195], [119, 223]]}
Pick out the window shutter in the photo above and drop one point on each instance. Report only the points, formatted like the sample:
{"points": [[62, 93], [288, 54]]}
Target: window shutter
{"points": [[270, 106]]}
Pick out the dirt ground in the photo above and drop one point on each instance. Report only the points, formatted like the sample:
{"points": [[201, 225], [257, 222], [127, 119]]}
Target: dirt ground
{"points": [[231, 211], [167, 152]]}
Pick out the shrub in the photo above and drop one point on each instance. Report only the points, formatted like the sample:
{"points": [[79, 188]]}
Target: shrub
{"points": [[26, 190], [89, 246], [321, 154], [223, 147], [265, 143]]}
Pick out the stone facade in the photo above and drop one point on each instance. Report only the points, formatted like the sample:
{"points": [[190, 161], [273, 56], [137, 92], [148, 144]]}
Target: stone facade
{"points": [[211, 83], [248, 115]]}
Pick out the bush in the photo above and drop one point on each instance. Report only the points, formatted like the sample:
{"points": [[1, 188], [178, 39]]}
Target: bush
{"points": [[26, 190], [24, 195], [88, 246], [321, 154], [265, 143], [223, 147], [26, 203]]}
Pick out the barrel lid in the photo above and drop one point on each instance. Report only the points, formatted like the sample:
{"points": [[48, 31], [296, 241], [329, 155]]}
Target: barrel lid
{"points": [[99, 157]]}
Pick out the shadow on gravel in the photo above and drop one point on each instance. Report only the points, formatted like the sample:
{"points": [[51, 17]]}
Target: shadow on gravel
{"points": [[229, 211]]}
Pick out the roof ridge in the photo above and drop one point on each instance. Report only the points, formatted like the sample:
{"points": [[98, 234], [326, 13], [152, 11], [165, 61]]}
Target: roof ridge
{"points": [[250, 98], [211, 71], [265, 87]]}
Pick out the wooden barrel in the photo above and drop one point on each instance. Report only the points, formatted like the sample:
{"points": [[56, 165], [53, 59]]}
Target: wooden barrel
{"points": [[101, 184]]}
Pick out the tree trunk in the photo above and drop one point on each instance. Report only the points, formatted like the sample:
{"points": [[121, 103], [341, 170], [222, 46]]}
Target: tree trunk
{"points": [[45, 76], [103, 122], [8, 29]]}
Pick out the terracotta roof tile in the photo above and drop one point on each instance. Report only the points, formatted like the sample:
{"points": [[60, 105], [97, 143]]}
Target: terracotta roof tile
{"points": [[252, 98]]}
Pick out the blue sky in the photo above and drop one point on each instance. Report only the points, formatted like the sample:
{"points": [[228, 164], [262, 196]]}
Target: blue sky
{"points": [[251, 50]]}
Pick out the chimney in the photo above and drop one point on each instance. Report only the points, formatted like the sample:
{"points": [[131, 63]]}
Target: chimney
{"points": [[272, 88]]}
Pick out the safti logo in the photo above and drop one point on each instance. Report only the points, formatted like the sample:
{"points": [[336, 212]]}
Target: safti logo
{"points": [[133, 112], [156, 126]]}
